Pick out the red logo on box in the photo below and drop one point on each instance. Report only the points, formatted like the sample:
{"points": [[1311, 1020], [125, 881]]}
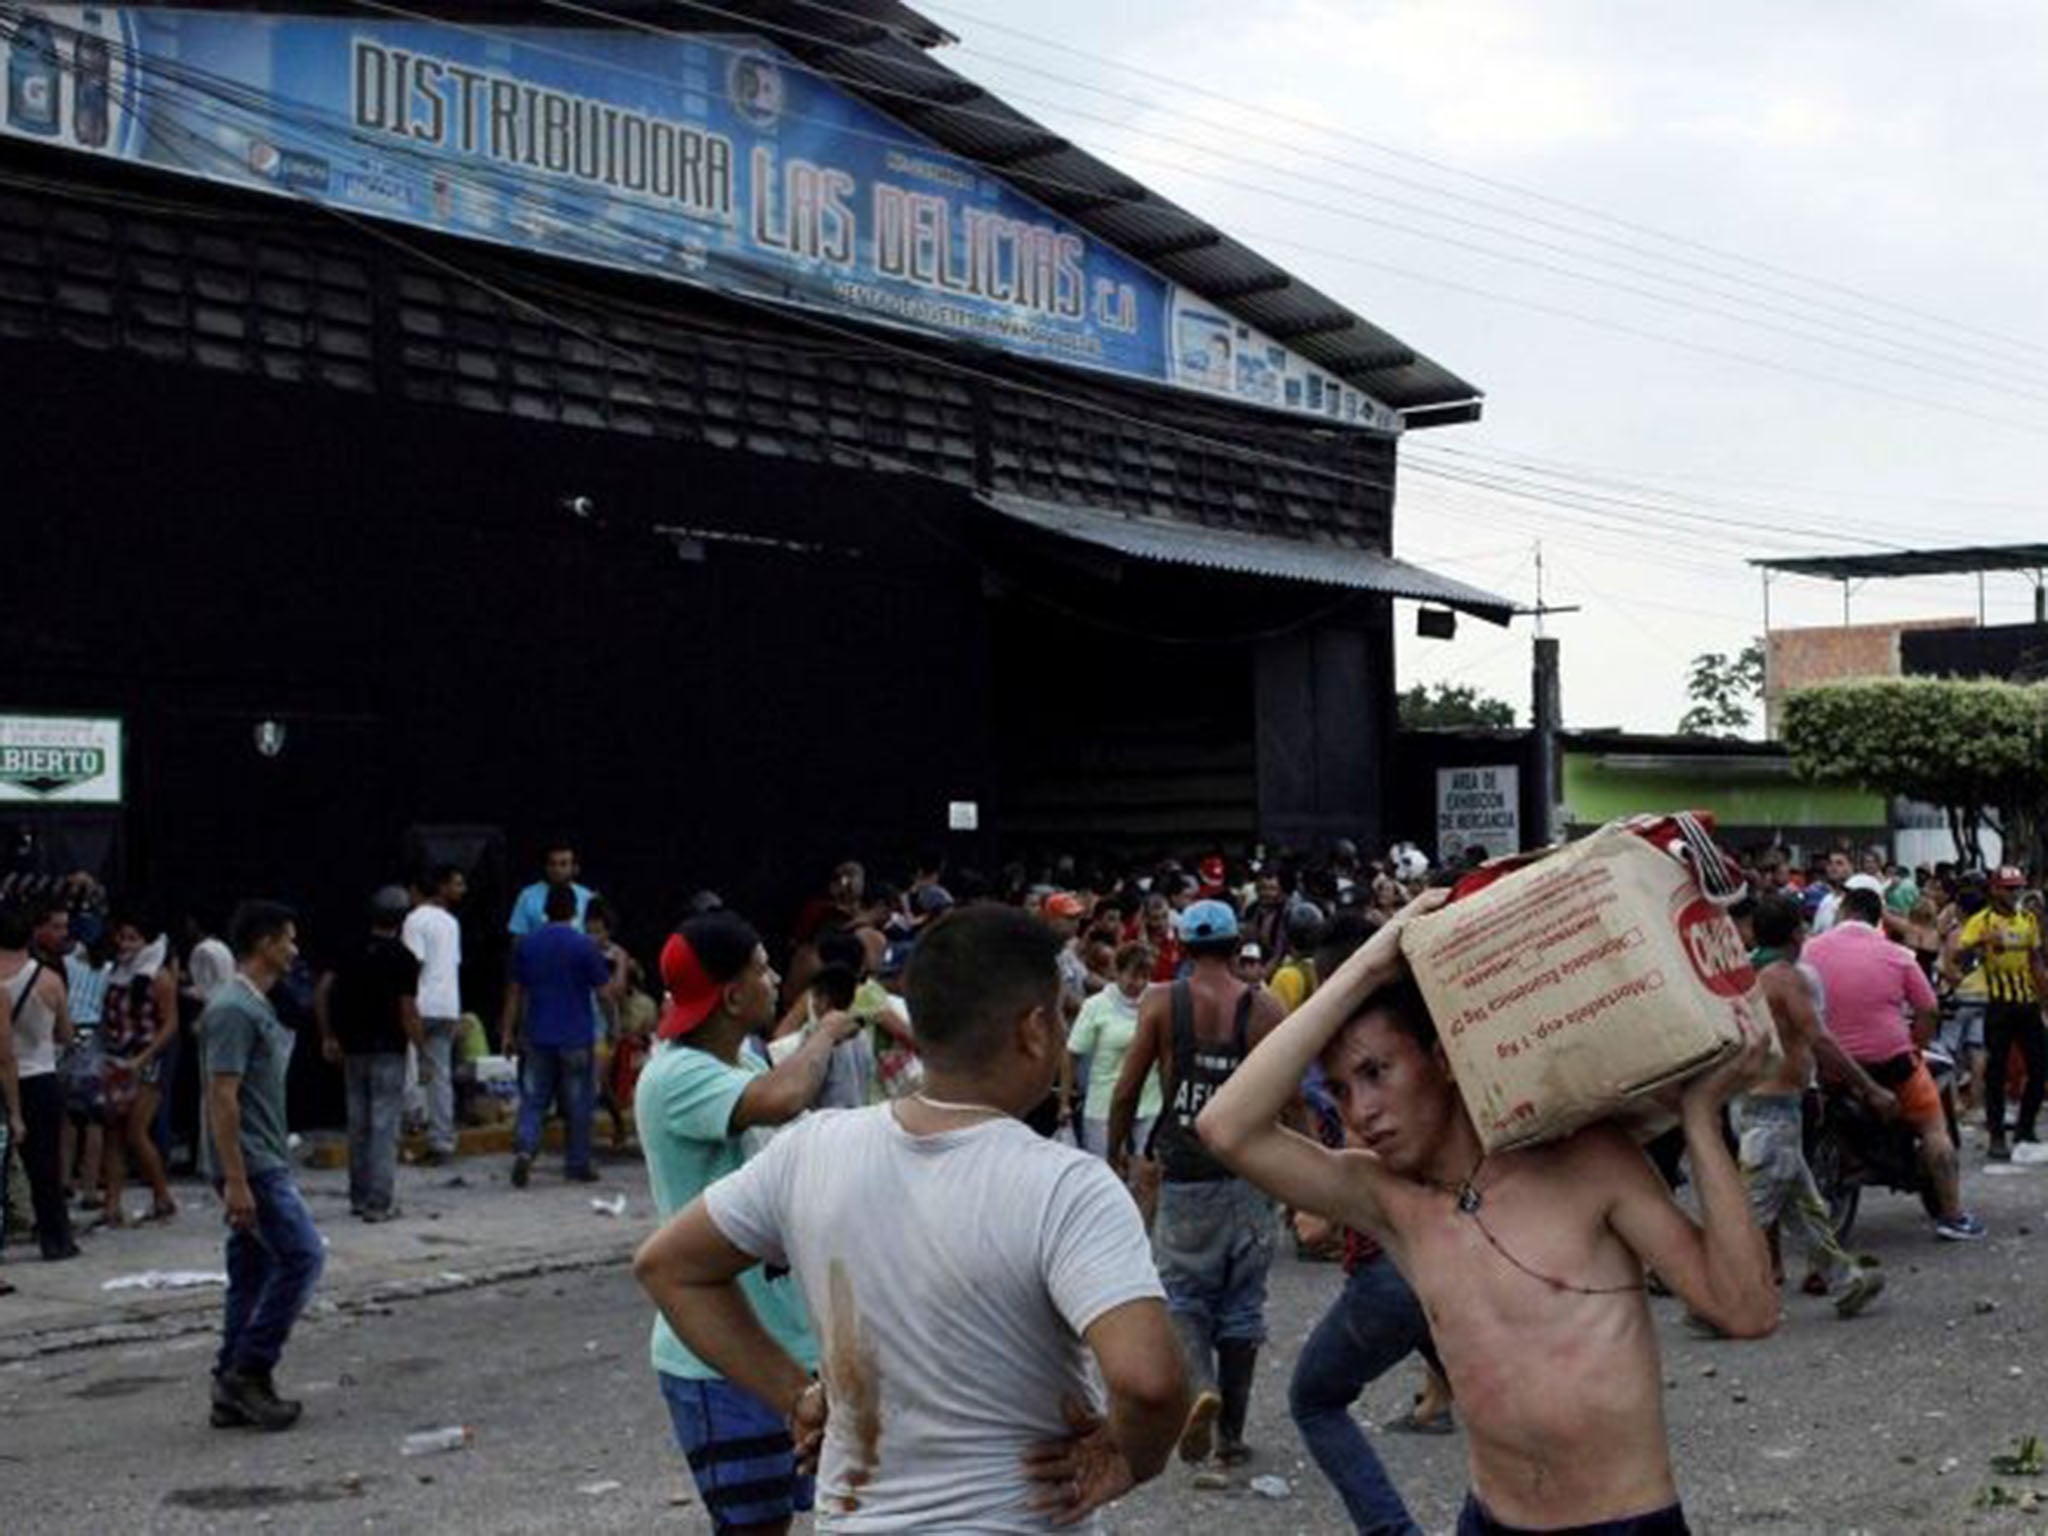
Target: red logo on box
{"points": [[1715, 949]]}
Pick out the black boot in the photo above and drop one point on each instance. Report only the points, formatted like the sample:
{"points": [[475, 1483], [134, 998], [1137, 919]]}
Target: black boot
{"points": [[1198, 1435], [247, 1398], [1236, 1362]]}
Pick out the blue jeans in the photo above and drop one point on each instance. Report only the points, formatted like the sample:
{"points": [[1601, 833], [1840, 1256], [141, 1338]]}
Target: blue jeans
{"points": [[1373, 1325], [376, 1103], [548, 1073], [272, 1269], [1213, 1243], [440, 1056]]}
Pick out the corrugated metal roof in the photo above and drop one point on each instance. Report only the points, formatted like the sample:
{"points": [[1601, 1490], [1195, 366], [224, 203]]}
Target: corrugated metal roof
{"points": [[885, 61], [899, 77], [1915, 562], [878, 49], [1251, 554]]}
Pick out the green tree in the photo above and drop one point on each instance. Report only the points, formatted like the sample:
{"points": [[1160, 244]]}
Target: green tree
{"points": [[1448, 708], [1725, 692], [1978, 749]]}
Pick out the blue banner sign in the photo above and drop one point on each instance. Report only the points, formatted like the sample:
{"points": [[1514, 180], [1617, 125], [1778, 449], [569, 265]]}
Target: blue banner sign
{"points": [[710, 159]]}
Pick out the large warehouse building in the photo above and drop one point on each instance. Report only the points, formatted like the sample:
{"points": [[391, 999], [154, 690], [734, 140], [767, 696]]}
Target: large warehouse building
{"points": [[724, 434]]}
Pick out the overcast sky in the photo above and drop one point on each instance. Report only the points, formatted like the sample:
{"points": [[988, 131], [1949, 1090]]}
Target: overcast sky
{"points": [[1887, 148]]}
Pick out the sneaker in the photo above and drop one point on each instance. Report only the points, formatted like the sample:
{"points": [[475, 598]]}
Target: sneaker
{"points": [[522, 1170], [240, 1399], [1964, 1229], [1864, 1287], [1999, 1152], [1198, 1436]]}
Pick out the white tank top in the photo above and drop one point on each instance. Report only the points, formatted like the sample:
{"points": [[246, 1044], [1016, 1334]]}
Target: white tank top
{"points": [[35, 1024]]}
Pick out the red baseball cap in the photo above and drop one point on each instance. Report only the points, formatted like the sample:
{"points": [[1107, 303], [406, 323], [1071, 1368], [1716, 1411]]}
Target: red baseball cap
{"points": [[1212, 870], [1063, 904], [697, 963], [2010, 877]]}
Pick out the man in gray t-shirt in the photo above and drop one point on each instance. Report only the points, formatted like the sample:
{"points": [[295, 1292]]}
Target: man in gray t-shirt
{"points": [[995, 1350], [274, 1252]]}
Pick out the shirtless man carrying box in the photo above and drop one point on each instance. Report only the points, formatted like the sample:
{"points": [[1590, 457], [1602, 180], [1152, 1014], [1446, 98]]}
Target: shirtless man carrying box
{"points": [[1529, 1263]]}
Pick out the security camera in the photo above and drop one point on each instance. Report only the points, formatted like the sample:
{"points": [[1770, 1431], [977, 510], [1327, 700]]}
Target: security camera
{"points": [[579, 506]]}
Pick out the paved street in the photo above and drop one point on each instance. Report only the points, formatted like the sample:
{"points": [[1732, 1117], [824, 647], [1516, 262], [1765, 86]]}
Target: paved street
{"points": [[1827, 1427]]}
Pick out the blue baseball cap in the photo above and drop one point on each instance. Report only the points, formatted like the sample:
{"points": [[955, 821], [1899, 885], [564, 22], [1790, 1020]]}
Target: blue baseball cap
{"points": [[1205, 921]]}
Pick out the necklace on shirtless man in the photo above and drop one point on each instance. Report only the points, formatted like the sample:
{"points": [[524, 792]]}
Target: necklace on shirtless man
{"points": [[1466, 1192], [1468, 1197]]}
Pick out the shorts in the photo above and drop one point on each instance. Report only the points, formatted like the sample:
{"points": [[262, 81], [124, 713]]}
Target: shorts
{"points": [[739, 1450], [1913, 1086], [1963, 1029], [1474, 1520], [1213, 1243]]}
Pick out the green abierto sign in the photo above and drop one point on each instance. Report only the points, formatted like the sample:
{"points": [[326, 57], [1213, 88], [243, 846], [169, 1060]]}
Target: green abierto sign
{"points": [[60, 760]]}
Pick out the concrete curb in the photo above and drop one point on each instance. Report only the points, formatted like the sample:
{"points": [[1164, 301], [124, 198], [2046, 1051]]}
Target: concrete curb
{"points": [[199, 1311]]}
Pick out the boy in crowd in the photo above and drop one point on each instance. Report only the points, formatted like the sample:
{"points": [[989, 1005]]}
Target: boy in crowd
{"points": [[704, 1106], [1529, 1263], [1768, 1119]]}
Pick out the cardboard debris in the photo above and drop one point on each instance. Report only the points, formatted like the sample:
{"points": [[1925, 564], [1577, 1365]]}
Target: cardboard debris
{"points": [[1569, 989]]}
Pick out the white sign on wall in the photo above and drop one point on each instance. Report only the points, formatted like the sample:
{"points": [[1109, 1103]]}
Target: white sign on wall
{"points": [[1478, 805], [59, 760]]}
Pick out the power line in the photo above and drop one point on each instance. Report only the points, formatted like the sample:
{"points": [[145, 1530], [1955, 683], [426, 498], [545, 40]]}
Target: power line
{"points": [[1261, 189], [1535, 306], [1547, 494], [2030, 368], [1478, 178]]}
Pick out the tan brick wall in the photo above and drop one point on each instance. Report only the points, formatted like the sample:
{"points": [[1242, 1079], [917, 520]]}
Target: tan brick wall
{"points": [[1799, 658]]}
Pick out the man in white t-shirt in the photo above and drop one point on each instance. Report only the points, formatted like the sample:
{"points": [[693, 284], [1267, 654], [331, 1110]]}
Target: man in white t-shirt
{"points": [[962, 1273], [434, 935]]}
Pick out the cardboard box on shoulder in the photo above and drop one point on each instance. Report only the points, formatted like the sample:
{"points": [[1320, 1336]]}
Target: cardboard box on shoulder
{"points": [[1568, 989]]}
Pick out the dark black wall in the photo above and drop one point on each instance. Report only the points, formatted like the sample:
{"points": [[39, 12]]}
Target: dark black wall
{"points": [[444, 644], [275, 471]]}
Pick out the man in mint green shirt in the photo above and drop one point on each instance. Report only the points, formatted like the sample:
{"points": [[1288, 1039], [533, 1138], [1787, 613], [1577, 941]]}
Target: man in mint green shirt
{"points": [[703, 1108]]}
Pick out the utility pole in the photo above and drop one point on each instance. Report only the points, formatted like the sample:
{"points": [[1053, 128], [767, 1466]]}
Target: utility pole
{"points": [[1546, 708]]}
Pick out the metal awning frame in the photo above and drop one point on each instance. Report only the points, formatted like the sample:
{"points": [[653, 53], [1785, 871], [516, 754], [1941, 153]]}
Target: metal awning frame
{"points": [[1853, 571]]}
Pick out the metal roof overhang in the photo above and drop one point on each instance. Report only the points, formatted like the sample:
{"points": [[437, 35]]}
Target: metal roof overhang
{"points": [[878, 49], [1917, 562], [1247, 554]]}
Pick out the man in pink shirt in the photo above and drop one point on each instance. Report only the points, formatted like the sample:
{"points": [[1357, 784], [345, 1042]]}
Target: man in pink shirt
{"points": [[1881, 1010]]}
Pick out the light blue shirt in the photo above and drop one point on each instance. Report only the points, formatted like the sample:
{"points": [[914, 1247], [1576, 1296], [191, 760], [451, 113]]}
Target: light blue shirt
{"points": [[530, 911], [683, 1109], [87, 984]]}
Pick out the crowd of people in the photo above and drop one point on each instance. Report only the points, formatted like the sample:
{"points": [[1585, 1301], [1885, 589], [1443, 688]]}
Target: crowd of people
{"points": [[1086, 1108]]}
